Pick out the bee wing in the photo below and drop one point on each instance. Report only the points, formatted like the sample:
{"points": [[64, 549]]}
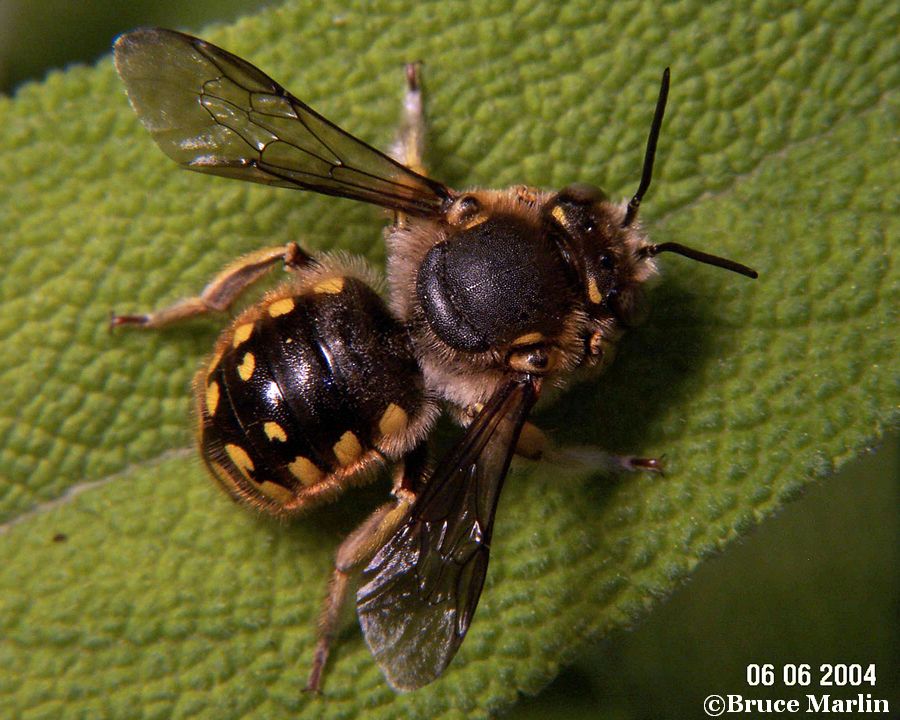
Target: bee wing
{"points": [[213, 112], [420, 591]]}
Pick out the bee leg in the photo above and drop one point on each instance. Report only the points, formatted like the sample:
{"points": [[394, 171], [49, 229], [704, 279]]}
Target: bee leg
{"points": [[223, 289], [353, 554], [532, 442], [594, 458], [534, 445], [410, 146], [630, 463], [358, 549]]}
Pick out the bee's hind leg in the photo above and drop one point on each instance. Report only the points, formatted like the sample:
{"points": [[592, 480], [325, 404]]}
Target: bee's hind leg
{"points": [[358, 549], [223, 289]]}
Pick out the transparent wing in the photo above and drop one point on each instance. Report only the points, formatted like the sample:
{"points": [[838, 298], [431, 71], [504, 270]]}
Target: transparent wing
{"points": [[419, 593], [213, 112]]}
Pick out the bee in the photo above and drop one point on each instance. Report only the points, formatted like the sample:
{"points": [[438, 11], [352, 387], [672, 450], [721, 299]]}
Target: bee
{"points": [[322, 384]]}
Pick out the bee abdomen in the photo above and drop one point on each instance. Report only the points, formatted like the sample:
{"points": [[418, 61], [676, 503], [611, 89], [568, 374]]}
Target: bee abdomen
{"points": [[314, 384]]}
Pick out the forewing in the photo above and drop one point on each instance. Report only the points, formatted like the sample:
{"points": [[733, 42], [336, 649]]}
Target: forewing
{"points": [[213, 112], [419, 593]]}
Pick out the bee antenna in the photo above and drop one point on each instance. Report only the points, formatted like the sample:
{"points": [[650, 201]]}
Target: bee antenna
{"points": [[679, 249], [650, 154]]}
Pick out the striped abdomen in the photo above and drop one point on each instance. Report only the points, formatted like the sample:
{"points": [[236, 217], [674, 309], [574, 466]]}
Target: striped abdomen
{"points": [[306, 391]]}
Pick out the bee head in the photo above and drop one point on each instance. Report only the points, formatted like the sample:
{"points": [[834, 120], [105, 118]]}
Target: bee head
{"points": [[601, 251]]}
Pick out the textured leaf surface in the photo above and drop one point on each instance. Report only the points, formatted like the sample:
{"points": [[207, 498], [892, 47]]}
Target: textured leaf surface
{"points": [[161, 599]]}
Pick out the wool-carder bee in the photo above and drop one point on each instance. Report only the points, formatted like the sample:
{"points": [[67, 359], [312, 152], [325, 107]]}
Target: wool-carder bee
{"points": [[491, 294]]}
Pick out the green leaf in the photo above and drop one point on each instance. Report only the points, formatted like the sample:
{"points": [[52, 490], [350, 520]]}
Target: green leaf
{"points": [[130, 588]]}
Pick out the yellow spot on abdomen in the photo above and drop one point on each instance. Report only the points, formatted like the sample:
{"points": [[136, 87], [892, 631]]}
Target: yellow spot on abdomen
{"points": [[212, 397], [393, 420], [347, 449], [241, 334], [331, 286], [594, 292], [274, 431], [240, 458], [281, 307], [305, 471], [247, 366], [276, 492]]}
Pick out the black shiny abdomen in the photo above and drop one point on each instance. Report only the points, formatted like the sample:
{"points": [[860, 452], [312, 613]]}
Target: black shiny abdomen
{"points": [[486, 286], [307, 392]]}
